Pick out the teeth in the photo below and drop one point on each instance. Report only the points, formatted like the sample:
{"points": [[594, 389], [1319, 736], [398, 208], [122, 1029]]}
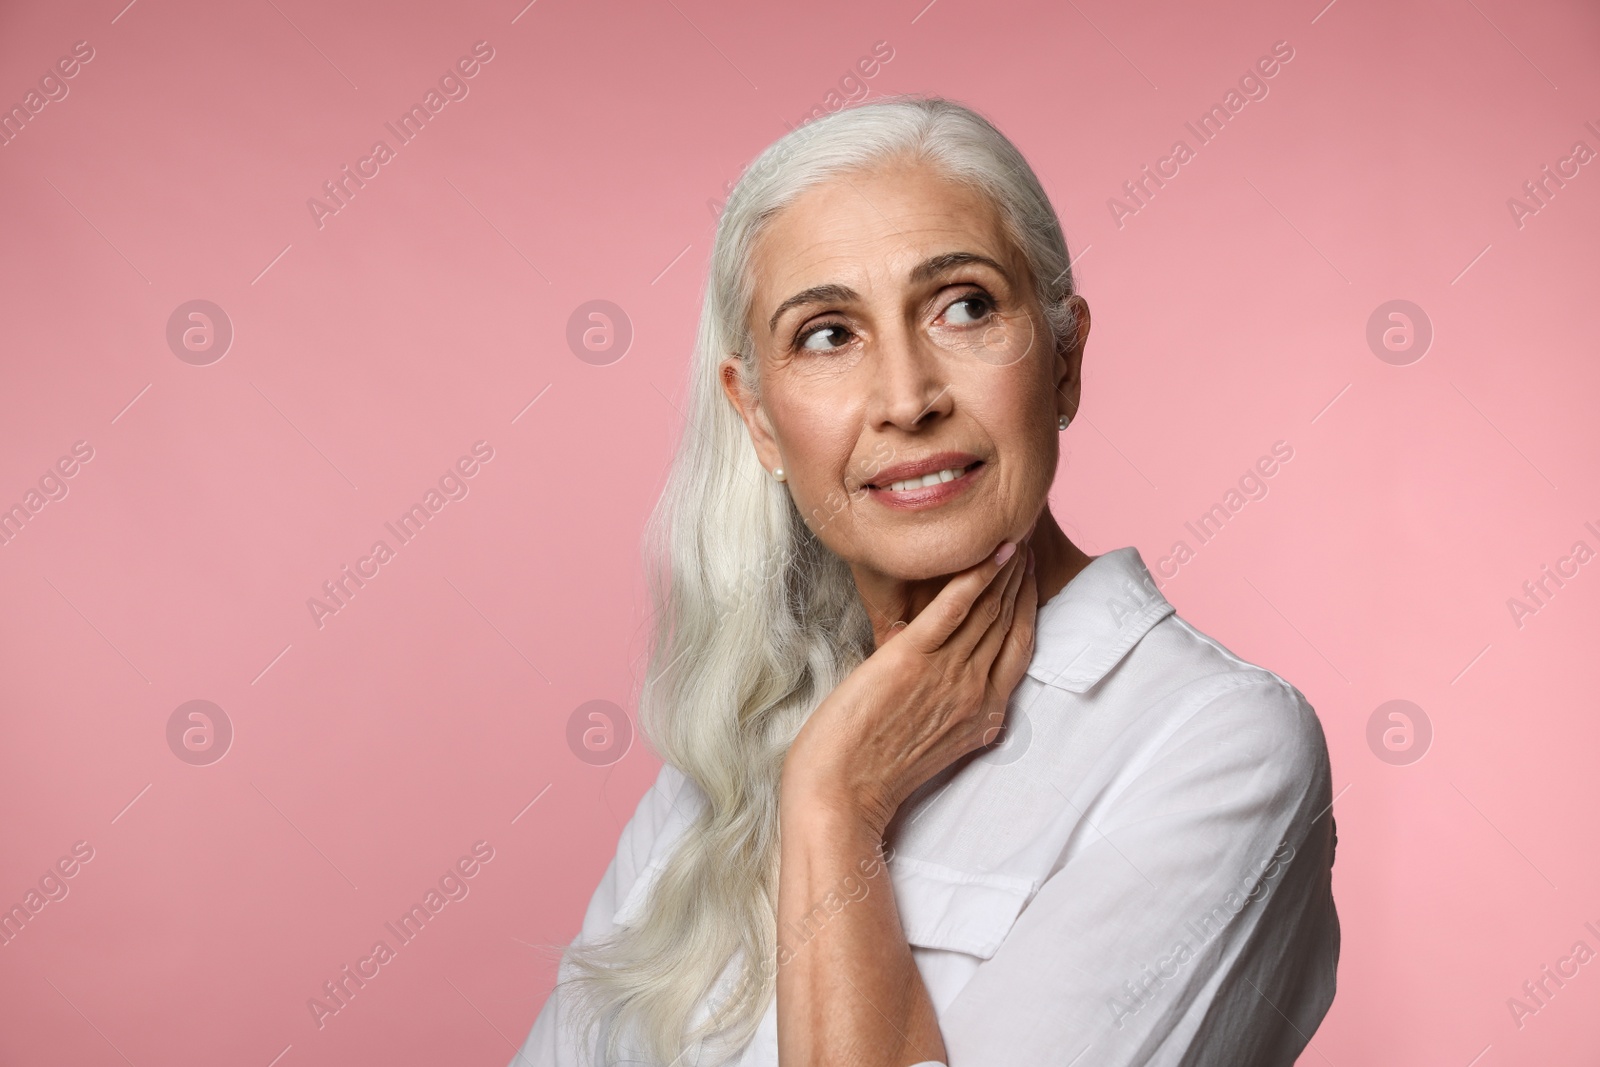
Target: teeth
{"points": [[948, 475]]}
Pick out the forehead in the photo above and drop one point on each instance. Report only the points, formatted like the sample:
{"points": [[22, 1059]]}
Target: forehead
{"points": [[867, 228]]}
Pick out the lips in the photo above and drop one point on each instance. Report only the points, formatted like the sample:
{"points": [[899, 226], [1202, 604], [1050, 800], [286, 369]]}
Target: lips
{"points": [[930, 470]]}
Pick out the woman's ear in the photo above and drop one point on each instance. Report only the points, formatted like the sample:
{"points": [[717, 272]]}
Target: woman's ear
{"points": [[1069, 358], [748, 405]]}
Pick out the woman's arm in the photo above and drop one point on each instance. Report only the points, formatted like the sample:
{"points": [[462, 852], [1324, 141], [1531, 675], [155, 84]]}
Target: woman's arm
{"points": [[1193, 923], [848, 988]]}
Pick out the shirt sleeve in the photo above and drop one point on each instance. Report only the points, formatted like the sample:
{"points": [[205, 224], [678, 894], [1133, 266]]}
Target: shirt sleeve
{"points": [[1196, 927], [550, 1041]]}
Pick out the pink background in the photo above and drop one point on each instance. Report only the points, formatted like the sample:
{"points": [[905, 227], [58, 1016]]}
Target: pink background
{"points": [[370, 753]]}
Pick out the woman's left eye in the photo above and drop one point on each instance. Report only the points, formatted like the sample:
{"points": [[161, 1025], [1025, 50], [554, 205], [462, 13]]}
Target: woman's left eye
{"points": [[968, 309], [825, 338]]}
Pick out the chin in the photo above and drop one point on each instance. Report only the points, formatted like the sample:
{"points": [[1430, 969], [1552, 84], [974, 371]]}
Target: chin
{"points": [[935, 553]]}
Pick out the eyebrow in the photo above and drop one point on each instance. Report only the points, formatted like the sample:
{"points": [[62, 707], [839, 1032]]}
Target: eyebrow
{"points": [[817, 294], [931, 268], [927, 270]]}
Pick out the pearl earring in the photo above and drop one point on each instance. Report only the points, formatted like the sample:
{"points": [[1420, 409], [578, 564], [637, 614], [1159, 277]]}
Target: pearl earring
{"points": [[1061, 423], [777, 473]]}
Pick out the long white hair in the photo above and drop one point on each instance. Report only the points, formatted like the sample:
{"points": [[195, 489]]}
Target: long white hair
{"points": [[756, 620]]}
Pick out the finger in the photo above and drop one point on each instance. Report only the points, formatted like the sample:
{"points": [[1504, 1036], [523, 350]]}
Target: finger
{"points": [[1016, 651], [992, 641], [935, 623], [994, 723], [982, 642], [987, 610]]}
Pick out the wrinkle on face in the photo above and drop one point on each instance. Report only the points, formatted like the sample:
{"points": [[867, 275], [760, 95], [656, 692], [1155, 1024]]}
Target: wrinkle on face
{"points": [[893, 264]]}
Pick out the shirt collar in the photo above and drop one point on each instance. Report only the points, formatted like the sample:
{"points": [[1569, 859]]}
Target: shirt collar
{"points": [[1097, 617]]}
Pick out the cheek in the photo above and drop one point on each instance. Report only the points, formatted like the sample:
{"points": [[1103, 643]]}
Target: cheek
{"points": [[1032, 457], [1020, 422], [815, 440]]}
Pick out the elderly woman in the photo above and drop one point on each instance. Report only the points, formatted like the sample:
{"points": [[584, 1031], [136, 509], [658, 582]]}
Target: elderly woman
{"points": [[859, 582]]}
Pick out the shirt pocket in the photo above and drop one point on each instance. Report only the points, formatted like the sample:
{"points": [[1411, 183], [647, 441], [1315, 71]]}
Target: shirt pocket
{"points": [[939, 906], [958, 910]]}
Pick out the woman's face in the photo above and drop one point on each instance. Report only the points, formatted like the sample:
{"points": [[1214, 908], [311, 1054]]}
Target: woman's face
{"points": [[898, 335]]}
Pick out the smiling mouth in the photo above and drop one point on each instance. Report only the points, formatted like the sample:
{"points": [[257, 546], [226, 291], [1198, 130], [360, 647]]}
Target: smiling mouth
{"points": [[906, 485]]}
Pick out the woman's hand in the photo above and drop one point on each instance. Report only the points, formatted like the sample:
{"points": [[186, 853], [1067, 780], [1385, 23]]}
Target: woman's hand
{"points": [[933, 692]]}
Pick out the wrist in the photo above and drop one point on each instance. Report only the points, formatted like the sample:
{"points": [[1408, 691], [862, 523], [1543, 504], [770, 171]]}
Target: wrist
{"points": [[830, 810], [828, 836]]}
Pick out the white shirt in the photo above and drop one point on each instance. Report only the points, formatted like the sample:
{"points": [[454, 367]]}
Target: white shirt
{"points": [[1138, 873]]}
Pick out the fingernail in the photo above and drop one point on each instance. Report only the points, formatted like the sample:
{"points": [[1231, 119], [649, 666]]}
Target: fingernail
{"points": [[1004, 554], [1030, 559]]}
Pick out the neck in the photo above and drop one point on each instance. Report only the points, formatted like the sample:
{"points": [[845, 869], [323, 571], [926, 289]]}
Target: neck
{"points": [[1057, 561]]}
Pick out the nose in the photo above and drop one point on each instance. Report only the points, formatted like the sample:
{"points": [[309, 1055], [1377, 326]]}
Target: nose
{"points": [[909, 388]]}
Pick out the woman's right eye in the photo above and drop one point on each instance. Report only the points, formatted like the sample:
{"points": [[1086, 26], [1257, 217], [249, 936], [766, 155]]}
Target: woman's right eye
{"points": [[824, 338]]}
